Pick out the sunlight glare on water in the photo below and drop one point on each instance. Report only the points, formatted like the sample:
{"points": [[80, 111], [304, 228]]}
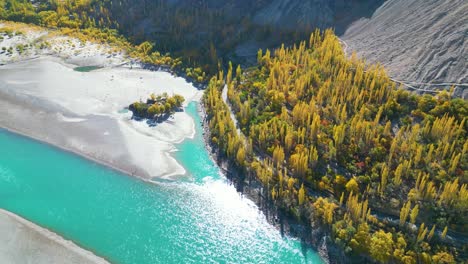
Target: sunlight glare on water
{"points": [[199, 218]]}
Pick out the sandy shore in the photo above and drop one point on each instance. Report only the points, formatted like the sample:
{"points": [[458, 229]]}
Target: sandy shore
{"points": [[83, 112], [42, 96], [24, 242]]}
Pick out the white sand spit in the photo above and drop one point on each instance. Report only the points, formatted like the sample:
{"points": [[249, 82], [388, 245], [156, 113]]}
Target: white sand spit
{"points": [[46, 99], [24, 242]]}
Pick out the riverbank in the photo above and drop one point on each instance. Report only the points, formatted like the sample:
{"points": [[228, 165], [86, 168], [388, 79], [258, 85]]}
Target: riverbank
{"points": [[84, 113], [25, 242], [312, 235], [197, 219], [44, 97]]}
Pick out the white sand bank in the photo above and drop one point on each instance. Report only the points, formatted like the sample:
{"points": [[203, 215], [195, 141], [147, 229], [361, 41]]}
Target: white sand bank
{"points": [[24, 242], [42, 96], [82, 112]]}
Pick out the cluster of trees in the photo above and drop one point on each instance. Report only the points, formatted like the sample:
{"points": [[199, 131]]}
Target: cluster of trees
{"points": [[334, 141], [198, 32], [157, 107], [91, 20], [57, 14], [201, 32]]}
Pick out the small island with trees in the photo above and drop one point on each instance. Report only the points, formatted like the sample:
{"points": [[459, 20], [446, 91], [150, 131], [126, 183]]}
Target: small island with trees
{"points": [[157, 108]]}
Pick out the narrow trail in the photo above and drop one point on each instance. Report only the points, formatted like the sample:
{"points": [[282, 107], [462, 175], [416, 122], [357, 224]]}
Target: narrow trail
{"points": [[412, 84], [224, 96]]}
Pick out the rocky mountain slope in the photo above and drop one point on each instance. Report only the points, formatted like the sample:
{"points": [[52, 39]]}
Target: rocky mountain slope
{"points": [[293, 14], [418, 41]]}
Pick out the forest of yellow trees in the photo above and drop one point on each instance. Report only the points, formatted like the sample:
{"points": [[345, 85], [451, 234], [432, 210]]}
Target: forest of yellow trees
{"points": [[334, 141]]}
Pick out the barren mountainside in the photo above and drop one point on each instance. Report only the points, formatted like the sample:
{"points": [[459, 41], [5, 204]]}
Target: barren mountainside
{"points": [[337, 14], [417, 41]]}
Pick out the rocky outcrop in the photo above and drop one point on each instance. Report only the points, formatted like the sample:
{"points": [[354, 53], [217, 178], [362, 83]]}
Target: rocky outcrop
{"points": [[309, 14]]}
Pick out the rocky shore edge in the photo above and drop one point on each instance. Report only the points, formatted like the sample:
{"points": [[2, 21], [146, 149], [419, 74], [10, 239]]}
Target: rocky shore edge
{"points": [[315, 235]]}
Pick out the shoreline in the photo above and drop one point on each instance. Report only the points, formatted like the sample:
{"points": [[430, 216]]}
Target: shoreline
{"points": [[252, 192], [43, 111], [55, 237], [103, 162], [64, 250], [81, 155], [314, 237], [36, 112]]}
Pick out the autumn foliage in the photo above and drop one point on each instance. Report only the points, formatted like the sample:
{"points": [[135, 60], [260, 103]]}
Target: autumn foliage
{"points": [[335, 140]]}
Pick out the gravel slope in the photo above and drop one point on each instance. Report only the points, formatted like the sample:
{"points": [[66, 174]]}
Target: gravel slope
{"points": [[416, 40]]}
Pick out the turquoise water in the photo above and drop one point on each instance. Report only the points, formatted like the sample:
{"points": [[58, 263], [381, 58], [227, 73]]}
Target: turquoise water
{"points": [[86, 68], [198, 219]]}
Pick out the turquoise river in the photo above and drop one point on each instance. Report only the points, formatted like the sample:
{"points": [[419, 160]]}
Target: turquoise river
{"points": [[199, 218]]}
